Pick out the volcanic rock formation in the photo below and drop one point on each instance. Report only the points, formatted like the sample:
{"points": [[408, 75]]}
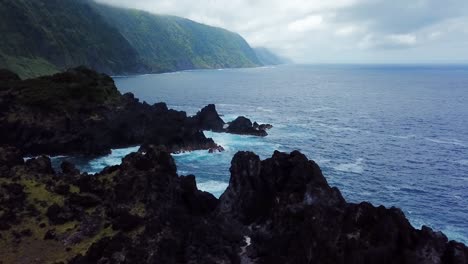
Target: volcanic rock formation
{"points": [[142, 212]]}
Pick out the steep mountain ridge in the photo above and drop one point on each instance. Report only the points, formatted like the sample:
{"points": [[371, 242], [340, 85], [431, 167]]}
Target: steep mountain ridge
{"points": [[168, 43], [41, 37]]}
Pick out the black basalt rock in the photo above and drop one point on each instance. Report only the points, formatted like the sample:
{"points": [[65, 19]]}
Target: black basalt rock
{"points": [[7, 75], [277, 210], [208, 119], [60, 214], [242, 125], [40, 164], [82, 112], [296, 217], [126, 221], [257, 187], [9, 157], [69, 168]]}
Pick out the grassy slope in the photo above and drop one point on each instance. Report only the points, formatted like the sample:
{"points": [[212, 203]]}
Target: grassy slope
{"points": [[43, 36], [171, 43], [33, 248]]}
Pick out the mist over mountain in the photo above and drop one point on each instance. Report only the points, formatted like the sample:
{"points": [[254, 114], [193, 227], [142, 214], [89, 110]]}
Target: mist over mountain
{"points": [[167, 43], [46, 36], [267, 57]]}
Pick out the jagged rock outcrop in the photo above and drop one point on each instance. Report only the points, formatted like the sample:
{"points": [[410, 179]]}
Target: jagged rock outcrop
{"points": [[9, 157], [142, 212], [7, 75], [138, 212], [296, 217], [82, 112], [262, 126], [243, 126], [209, 119]]}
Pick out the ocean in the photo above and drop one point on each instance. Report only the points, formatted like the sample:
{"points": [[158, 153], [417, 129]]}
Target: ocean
{"points": [[393, 135]]}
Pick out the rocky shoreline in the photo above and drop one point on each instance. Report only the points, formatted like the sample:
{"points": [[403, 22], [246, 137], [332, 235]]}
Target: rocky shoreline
{"points": [[82, 112], [143, 212], [277, 210]]}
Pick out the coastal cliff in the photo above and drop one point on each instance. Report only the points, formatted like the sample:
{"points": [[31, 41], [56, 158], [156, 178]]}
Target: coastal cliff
{"points": [[47, 36]]}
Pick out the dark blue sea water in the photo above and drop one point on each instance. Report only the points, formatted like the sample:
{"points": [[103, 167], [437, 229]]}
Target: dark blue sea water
{"points": [[391, 135]]}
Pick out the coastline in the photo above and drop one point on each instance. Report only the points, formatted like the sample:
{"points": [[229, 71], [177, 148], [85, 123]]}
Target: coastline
{"points": [[124, 207], [118, 203], [199, 70]]}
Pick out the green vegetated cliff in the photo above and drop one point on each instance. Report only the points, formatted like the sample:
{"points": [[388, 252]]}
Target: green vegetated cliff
{"points": [[169, 43], [45, 36]]}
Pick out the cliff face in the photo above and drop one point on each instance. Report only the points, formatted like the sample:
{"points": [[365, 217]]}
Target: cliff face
{"points": [[41, 37], [143, 212], [168, 43]]}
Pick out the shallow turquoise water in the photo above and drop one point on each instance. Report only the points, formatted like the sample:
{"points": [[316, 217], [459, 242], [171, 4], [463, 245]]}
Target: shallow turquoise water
{"points": [[391, 135]]}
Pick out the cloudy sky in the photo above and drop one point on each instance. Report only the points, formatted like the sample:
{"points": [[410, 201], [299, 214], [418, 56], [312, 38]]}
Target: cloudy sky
{"points": [[330, 31]]}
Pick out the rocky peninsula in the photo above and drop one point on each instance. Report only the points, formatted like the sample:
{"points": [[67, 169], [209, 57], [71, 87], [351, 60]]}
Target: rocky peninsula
{"points": [[277, 210], [82, 112]]}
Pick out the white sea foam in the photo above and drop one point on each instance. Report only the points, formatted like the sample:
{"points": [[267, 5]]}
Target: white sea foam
{"points": [[265, 109], [115, 158], [355, 167], [51, 157], [265, 67], [403, 137], [232, 105], [320, 109], [214, 187], [391, 188], [322, 161], [337, 128], [449, 141]]}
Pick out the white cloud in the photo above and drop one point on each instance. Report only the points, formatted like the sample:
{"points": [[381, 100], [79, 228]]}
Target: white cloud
{"points": [[306, 24], [334, 30], [346, 31], [402, 39], [435, 35]]}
